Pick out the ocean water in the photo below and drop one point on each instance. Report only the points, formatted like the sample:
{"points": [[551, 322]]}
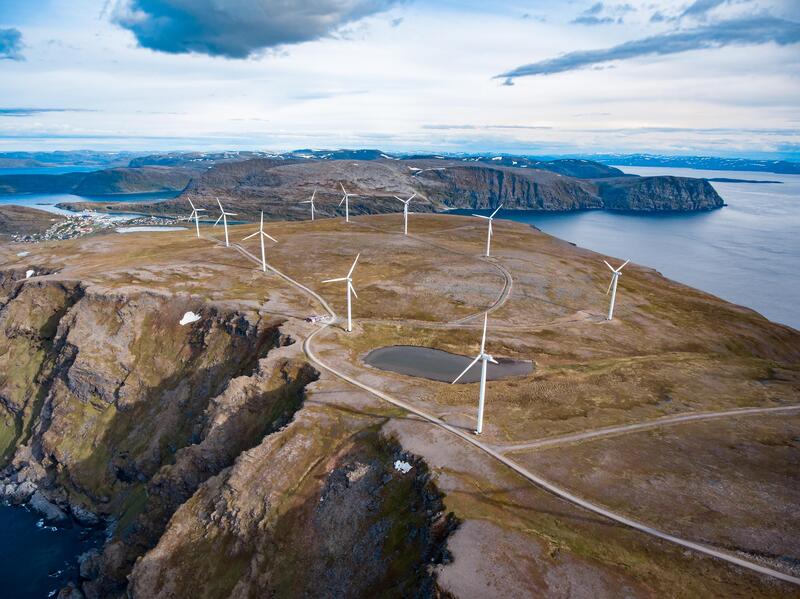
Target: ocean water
{"points": [[37, 559], [747, 252], [48, 201]]}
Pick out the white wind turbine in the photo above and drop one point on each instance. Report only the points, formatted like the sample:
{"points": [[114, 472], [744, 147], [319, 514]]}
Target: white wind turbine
{"points": [[485, 359], [346, 202], [350, 289], [261, 236], [311, 201], [224, 218], [612, 287], [405, 211], [195, 214], [489, 234]]}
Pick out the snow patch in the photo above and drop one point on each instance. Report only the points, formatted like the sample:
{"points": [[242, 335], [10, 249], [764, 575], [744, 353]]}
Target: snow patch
{"points": [[402, 466], [29, 273], [189, 318], [22, 254]]}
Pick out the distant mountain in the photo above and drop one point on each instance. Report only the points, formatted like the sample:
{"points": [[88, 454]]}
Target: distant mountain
{"points": [[710, 163], [67, 158], [101, 182]]}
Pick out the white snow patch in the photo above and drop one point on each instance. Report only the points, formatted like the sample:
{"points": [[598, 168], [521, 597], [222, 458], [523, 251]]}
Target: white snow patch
{"points": [[189, 318], [497, 158], [401, 466], [22, 254], [29, 273]]}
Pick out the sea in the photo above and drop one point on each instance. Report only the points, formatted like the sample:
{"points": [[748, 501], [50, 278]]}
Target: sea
{"points": [[37, 559], [747, 252]]}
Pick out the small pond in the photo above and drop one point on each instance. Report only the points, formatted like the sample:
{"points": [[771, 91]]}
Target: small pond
{"points": [[439, 365]]}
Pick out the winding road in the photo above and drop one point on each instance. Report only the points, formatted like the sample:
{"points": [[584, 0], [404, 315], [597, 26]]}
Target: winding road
{"points": [[497, 455]]}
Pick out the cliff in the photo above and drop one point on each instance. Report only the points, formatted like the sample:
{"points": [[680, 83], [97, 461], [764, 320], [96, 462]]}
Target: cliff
{"points": [[658, 194], [278, 185], [110, 410]]}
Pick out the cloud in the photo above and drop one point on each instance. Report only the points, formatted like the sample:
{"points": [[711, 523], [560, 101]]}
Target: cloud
{"points": [[699, 8], [10, 44], [35, 111], [236, 28], [742, 31], [592, 20]]}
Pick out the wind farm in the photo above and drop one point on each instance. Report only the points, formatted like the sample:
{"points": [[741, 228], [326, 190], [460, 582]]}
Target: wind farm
{"points": [[434, 287]]}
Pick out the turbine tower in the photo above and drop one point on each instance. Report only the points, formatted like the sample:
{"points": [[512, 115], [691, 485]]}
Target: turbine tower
{"points": [[489, 234], [311, 201], [195, 213], [346, 202], [405, 211], [224, 218], [612, 287], [261, 236], [350, 289], [485, 359]]}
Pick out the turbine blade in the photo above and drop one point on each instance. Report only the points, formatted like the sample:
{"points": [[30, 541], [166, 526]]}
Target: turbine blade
{"points": [[353, 289], [344, 191], [220, 205], [262, 221], [482, 216], [231, 213], [313, 195], [249, 236], [623, 266], [609, 286], [192, 205], [352, 268], [413, 195], [342, 201], [496, 211], [270, 236], [335, 280], [609, 266], [219, 219], [471, 364], [200, 210], [492, 360]]}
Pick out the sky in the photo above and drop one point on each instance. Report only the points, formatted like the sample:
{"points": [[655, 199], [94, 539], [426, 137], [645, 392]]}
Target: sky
{"points": [[700, 77]]}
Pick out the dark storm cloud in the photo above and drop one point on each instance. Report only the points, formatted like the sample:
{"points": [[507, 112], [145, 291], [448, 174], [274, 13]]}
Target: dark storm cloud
{"points": [[743, 31], [10, 44], [236, 28]]}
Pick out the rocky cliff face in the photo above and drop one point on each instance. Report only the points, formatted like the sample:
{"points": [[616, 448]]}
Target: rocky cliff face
{"points": [[110, 410], [658, 194]]}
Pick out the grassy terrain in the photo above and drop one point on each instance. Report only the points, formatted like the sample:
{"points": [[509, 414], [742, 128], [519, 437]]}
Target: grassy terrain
{"points": [[670, 349]]}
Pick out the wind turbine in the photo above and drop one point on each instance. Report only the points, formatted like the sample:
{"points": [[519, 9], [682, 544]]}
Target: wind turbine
{"points": [[224, 218], [485, 359], [405, 211], [350, 289], [489, 235], [195, 213], [346, 201], [612, 287], [311, 201], [261, 236]]}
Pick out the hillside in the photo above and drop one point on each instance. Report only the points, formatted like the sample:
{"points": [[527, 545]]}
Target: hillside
{"points": [[254, 454], [277, 186], [101, 182]]}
